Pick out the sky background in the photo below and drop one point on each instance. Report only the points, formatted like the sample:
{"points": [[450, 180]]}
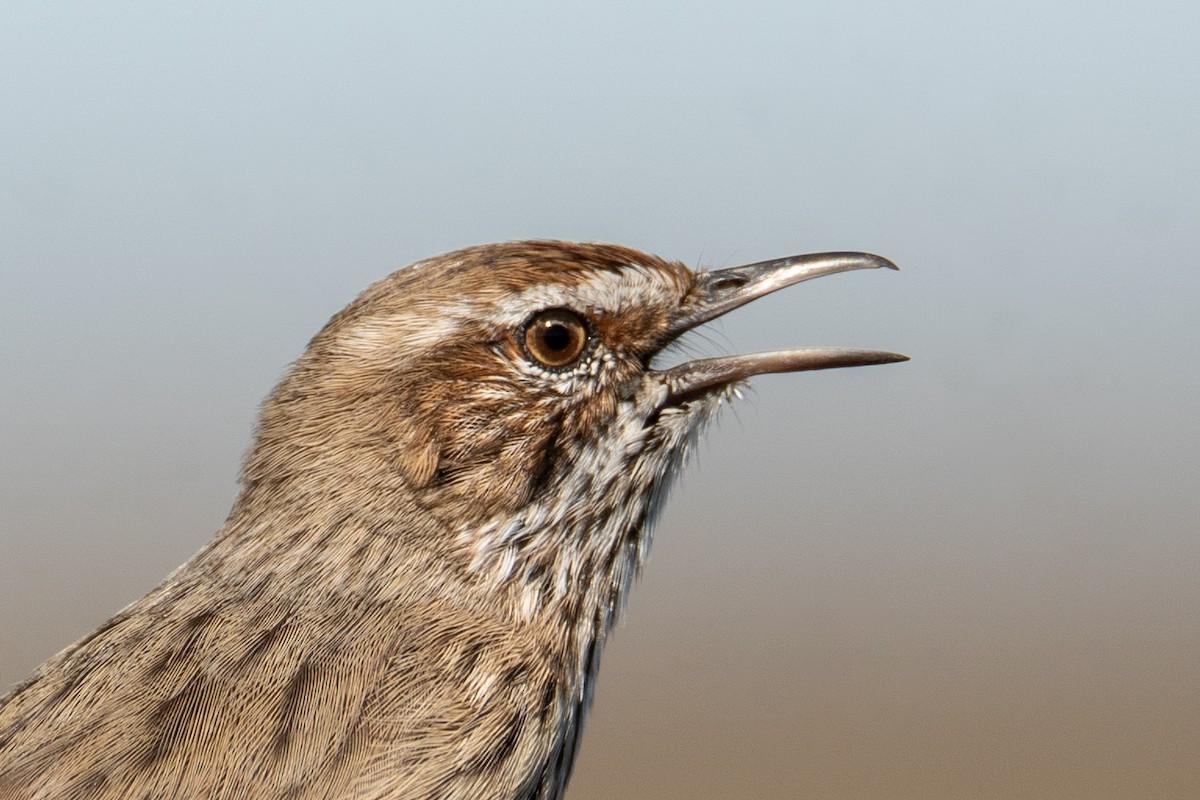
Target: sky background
{"points": [[974, 575]]}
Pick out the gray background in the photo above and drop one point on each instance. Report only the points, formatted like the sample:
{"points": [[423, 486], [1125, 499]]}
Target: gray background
{"points": [[970, 576]]}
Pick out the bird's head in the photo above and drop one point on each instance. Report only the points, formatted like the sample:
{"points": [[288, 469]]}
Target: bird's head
{"points": [[503, 397]]}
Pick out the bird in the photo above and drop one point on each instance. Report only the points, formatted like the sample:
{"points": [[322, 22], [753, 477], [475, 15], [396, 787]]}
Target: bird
{"points": [[449, 496]]}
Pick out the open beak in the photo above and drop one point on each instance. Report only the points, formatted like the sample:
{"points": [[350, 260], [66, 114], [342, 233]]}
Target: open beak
{"points": [[723, 290]]}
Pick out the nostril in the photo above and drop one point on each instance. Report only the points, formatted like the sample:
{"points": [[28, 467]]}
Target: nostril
{"points": [[727, 282]]}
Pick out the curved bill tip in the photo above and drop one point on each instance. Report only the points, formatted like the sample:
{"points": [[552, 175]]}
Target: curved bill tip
{"points": [[723, 290]]}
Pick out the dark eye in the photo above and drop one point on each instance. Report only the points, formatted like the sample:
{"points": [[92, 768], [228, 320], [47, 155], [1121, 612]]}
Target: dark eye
{"points": [[556, 337]]}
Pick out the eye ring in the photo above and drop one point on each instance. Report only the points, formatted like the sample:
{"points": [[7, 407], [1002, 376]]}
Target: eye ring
{"points": [[556, 338]]}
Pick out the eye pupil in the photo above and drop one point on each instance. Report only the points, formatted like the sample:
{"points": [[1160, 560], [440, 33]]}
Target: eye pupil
{"points": [[556, 338]]}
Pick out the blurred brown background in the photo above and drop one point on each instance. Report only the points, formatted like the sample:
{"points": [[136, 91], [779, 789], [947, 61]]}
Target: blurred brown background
{"points": [[969, 576]]}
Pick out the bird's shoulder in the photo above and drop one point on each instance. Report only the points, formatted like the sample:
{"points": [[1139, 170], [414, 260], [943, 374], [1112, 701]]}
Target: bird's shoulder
{"points": [[183, 695]]}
